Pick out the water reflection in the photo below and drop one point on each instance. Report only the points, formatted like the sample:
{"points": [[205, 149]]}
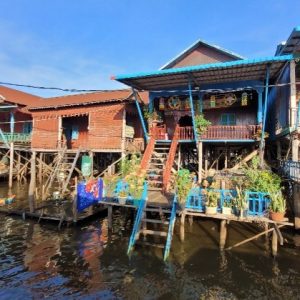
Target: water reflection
{"points": [[37, 261]]}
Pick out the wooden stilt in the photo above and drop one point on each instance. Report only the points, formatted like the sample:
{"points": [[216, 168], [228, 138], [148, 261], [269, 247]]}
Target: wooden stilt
{"points": [[40, 167], [18, 167], [295, 149], [223, 234], [200, 155], [182, 221], [274, 243], [206, 160], [226, 158], [11, 166], [109, 217], [32, 184], [278, 150], [74, 208], [191, 220]]}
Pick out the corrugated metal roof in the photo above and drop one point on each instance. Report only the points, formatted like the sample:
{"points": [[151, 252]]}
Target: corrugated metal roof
{"points": [[18, 97], [292, 44], [248, 69], [87, 99], [195, 45]]}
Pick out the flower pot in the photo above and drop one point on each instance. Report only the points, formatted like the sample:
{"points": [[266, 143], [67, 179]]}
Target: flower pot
{"points": [[276, 216], [122, 200], [226, 211], [210, 210]]}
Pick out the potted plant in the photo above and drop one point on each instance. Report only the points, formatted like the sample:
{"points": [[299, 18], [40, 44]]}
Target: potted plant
{"points": [[183, 185], [277, 206], [227, 208], [240, 202], [212, 202], [122, 197]]}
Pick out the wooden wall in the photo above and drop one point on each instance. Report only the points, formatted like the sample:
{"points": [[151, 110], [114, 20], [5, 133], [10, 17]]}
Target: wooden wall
{"points": [[104, 129]]}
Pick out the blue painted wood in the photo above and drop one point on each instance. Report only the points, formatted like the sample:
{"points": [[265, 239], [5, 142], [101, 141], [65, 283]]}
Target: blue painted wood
{"points": [[138, 219], [12, 122], [141, 117], [193, 112], [170, 229], [257, 202], [259, 108]]}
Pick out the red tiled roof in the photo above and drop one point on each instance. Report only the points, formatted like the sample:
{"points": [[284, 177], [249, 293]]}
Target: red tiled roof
{"points": [[17, 97], [87, 98]]}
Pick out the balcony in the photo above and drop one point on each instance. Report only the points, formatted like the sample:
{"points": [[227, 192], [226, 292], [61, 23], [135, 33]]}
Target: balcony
{"points": [[238, 132], [6, 137]]}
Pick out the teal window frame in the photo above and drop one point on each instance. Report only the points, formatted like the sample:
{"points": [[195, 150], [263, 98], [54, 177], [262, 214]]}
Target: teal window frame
{"points": [[228, 119]]}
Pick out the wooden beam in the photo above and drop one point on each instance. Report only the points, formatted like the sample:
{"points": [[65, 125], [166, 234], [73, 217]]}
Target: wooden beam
{"points": [[279, 235], [11, 166], [245, 160], [32, 184]]}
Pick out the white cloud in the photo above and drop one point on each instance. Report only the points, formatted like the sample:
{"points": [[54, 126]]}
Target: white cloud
{"points": [[25, 59]]}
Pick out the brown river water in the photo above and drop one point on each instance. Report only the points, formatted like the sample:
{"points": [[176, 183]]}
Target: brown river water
{"points": [[87, 261]]}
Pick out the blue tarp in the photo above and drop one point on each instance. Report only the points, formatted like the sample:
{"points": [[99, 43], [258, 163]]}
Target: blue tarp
{"points": [[89, 193]]}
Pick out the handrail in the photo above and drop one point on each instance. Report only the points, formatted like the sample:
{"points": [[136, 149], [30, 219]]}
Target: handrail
{"points": [[171, 228], [290, 169], [138, 219], [15, 137], [230, 132], [114, 163], [186, 133], [148, 152], [170, 159]]}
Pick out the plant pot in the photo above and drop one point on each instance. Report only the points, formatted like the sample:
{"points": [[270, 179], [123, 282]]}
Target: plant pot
{"points": [[276, 216], [226, 211], [122, 200], [211, 210]]}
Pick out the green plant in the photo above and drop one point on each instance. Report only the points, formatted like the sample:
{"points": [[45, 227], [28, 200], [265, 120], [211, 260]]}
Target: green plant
{"points": [[278, 203], [128, 164], [123, 194], [110, 182], [260, 180], [240, 201], [201, 124], [183, 185], [136, 180], [151, 115], [212, 198]]}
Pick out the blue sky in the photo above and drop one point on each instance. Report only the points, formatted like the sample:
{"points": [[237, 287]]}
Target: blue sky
{"points": [[80, 44]]}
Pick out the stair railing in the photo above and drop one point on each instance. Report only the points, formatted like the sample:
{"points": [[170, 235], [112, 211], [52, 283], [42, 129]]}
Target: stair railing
{"points": [[171, 229], [148, 153], [138, 219], [170, 159]]}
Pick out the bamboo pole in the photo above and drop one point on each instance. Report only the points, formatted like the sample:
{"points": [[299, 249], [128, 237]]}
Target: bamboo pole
{"points": [[11, 166]]}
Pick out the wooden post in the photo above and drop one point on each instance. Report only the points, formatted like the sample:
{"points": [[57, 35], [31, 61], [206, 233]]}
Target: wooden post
{"points": [[91, 155], [191, 220], [123, 142], [41, 168], [278, 150], [296, 200], [18, 167], [182, 220], [223, 234], [274, 243], [32, 182], [293, 94], [226, 158], [11, 166], [109, 217], [200, 155], [295, 149], [179, 157], [206, 160]]}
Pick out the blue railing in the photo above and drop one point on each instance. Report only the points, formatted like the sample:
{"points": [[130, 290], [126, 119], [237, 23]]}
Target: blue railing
{"points": [[257, 202], [290, 169], [138, 219], [171, 228]]}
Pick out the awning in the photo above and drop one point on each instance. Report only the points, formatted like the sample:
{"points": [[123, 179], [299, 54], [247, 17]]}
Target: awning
{"points": [[240, 70]]}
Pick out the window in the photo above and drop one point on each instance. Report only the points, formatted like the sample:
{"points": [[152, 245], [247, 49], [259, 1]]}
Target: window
{"points": [[74, 132], [228, 119], [27, 127]]}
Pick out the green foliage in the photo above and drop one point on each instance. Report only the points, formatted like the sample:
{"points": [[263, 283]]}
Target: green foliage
{"points": [[183, 184], [127, 164], [212, 198], [151, 115], [201, 124], [135, 181], [240, 201], [260, 180], [110, 182], [278, 203], [123, 193]]}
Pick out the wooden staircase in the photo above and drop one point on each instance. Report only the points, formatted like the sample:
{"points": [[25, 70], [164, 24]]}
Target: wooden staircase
{"points": [[156, 165], [62, 172], [154, 227]]}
